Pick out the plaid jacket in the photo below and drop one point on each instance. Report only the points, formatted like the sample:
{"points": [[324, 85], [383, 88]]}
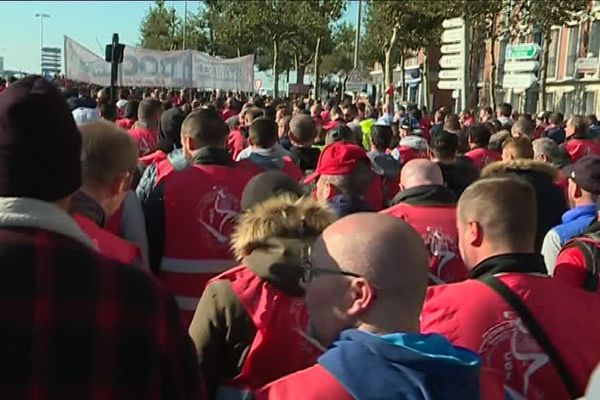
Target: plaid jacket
{"points": [[77, 325]]}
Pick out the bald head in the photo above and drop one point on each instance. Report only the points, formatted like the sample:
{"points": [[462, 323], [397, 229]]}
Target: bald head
{"points": [[420, 172]]}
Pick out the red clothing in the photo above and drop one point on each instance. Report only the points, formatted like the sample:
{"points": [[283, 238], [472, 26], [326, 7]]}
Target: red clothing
{"points": [[578, 148], [153, 158], [375, 195], [201, 204], [331, 125], [472, 315], [325, 116], [227, 113], [145, 138], [289, 168], [125, 123], [314, 383], [236, 143], [437, 227], [109, 244], [277, 318], [482, 156], [410, 153]]}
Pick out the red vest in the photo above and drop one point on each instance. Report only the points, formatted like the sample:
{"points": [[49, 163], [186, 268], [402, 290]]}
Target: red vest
{"points": [[277, 318], [201, 204], [571, 267], [152, 158], [125, 123], [482, 157], [236, 142], [145, 138], [108, 244], [410, 153], [289, 168], [578, 148], [472, 315], [437, 227]]}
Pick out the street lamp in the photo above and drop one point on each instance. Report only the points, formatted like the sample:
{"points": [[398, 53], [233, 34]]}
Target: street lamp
{"points": [[41, 16]]}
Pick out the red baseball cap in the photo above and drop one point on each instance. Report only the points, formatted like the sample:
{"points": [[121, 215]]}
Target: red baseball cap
{"points": [[339, 158]]}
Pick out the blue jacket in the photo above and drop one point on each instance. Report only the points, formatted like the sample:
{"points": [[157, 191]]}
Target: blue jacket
{"points": [[402, 366], [575, 221]]}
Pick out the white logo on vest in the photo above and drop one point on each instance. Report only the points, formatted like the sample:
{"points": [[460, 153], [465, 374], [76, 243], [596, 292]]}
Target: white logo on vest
{"points": [[217, 212]]}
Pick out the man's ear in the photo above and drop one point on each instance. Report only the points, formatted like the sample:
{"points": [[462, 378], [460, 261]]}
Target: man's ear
{"points": [[120, 184], [475, 234]]}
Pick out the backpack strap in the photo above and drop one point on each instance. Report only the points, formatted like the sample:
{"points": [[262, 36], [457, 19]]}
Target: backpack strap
{"points": [[535, 329], [591, 255]]}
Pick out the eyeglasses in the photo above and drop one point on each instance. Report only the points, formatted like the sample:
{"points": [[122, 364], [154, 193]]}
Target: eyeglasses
{"points": [[309, 271]]}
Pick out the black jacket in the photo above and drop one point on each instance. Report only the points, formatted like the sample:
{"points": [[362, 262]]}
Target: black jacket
{"points": [[426, 195]]}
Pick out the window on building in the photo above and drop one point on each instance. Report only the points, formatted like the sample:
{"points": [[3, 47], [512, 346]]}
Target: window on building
{"points": [[572, 50], [589, 103], [501, 61], [594, 41], [549, 101], [567, 104], [552, 53]]}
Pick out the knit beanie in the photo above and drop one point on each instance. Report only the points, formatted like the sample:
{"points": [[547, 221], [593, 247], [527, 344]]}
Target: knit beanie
{"points": [[267, 185], [40, 146]]}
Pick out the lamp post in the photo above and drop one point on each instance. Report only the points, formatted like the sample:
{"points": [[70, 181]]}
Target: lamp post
{"points": [[41, 16], [357, 38]]}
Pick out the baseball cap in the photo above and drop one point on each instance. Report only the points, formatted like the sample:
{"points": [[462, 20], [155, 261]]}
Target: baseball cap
{"points": [[340, 158], [586, 173], [410, 124]]}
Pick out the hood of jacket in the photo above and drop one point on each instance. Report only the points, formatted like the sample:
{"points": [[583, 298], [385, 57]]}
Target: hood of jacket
{"points": [[169, 129], [458, 174], [267, 161], [402, 366], [426, 195], [271, 238], [520, 166]]}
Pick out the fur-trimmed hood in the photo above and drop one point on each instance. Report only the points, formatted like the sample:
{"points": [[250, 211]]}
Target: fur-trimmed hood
{"points": [[519, 165], [271, 238]]}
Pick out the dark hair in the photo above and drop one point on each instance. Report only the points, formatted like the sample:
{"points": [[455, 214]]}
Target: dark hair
{"points": [[381, 136], [108, 110], [124, 94], [580, 124], [269, 112], [444, 145], [488, 110], [254, 113], [452, 121], [206, 127], [505, 109], [131, 109], [263, 132], [592, 118], [416, 114], [479, 135], [556, 118], [303, 128], [165, 105]]}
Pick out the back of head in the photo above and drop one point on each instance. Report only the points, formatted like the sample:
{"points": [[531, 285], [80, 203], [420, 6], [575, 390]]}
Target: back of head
{"points": [[107, 110], [505, 209], [479, 135], [169, 129], [149, 109], [124, 94], [107, 152], [420, 172], [517, 147], [252, 113], [263, 133], [579, 125], [556, 118], [131, 109], [267, 185], [40, 146], [340, 134], [416, 114], [546, 147], [444, 145], [206, 128], [303, 128], [523, 127], [452, 122], [381, 136], [505, 109]]}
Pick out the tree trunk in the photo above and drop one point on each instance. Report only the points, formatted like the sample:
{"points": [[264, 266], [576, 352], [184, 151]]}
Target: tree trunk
{"points": [[402, 76], [317, 93], [541, 106], [473, 90], [493, 67], [275, 67], [300, 69], [426, 83], [344, 83], [388, 67]]}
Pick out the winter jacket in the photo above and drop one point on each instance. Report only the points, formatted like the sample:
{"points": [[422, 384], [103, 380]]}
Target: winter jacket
{"points": [[472, 315], [395, 366], [458, 174], [555, 133], [550, 199], [150, 177], [574, 222], [271, 248], [579, 148]]}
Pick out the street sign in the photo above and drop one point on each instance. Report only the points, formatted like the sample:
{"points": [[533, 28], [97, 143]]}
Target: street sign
{"points": [[453, 35], [452, 23], [586, 65], [523, 51], [450, 84], [523, 81], [258, 83], [357, 75], [450, 74], [451, 48], [521, 66], [451, 61]]}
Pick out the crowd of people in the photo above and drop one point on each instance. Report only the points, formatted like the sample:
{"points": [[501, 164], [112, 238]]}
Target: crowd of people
{"points": [[208, 245]]}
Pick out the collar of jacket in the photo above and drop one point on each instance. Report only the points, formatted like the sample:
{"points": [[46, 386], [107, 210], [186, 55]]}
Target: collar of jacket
{"points": [[21, 212], [213, 155], [513, 262], [578, 212], [520, 165], [85, 205], [426, 195]]}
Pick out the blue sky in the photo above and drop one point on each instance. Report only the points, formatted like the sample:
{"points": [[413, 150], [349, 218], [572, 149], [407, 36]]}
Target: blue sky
{"points": [[91, 23]]}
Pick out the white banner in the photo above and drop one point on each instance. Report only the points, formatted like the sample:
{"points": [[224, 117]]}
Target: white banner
{"points": [[143, 67]]}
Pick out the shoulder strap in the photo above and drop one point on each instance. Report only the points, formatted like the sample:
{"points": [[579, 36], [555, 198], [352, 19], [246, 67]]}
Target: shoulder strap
{"points": [[534, 328], [591, 255]]}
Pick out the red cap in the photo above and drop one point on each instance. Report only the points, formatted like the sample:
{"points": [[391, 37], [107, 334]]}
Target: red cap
{"points": [[338, 158]]}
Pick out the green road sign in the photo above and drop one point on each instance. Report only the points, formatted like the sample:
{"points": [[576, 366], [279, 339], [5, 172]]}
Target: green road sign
{"points": [[523, 51]]}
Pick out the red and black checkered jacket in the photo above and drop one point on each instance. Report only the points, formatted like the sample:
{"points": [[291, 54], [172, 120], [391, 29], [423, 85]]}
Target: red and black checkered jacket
{"points": [[77, 325]]}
